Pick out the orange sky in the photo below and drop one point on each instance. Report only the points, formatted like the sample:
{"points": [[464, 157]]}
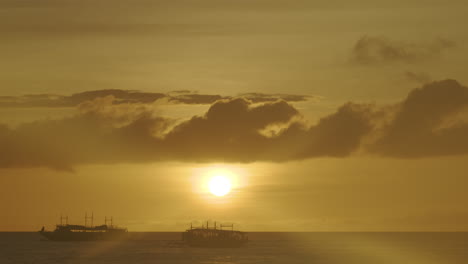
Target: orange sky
{"points": [[328, 116]]}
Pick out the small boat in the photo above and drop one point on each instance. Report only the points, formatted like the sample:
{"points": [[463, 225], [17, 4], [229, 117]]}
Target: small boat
{"points": [[207, 236], [66, 232]]}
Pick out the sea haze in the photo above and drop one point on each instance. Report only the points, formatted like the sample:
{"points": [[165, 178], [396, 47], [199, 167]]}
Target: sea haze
{"points": [[264, 247]]}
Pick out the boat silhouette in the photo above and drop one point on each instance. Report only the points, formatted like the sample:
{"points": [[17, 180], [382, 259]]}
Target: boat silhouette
{"points": [[206, 236], [67, 232]]}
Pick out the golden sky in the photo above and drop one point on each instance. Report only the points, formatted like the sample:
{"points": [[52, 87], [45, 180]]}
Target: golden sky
{"points": [[325, 115]]}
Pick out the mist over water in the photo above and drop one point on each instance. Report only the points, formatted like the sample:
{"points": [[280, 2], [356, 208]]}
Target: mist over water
{"points": [[166, 247]]}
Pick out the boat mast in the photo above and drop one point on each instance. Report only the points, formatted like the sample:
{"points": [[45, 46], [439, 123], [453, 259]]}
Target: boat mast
{"points": [[109, 220], [91, 218], [63, 218]]}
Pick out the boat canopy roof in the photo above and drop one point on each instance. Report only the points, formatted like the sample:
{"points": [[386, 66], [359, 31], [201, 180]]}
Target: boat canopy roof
{"points": [[84, 228]]}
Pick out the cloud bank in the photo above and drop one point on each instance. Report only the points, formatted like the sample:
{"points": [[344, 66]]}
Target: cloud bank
{"points": [[136, 97], [431, 121]]}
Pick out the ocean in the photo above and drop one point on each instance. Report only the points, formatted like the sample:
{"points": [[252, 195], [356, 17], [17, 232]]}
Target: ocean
{"points": [[287, 248]]}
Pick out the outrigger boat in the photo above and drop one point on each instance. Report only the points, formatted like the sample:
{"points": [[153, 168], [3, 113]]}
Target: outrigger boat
{"points": [[66, 232], [206, 236]]}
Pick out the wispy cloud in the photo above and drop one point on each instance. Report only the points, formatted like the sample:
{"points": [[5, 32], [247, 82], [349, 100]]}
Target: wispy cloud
{"points": [[372, 50], [418, 77]]}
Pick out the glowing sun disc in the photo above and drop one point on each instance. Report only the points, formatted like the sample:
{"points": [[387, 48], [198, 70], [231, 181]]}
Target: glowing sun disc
{"points": [[219, 185]]}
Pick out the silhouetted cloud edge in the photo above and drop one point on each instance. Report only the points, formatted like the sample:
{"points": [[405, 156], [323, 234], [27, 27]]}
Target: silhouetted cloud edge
{"points": [[137, 97], [431, 121]]}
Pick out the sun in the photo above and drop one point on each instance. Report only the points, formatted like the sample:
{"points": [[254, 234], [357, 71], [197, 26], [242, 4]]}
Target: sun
{"points": [[219, 185], [219, 181]]}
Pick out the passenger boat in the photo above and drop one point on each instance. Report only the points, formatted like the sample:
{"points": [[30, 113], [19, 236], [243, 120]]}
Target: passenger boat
{"points": [[66, 232], [206, 236]]}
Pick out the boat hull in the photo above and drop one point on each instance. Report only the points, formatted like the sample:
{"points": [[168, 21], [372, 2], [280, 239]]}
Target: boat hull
{"points": [[83, 236], [214, 238], [216, 244]]}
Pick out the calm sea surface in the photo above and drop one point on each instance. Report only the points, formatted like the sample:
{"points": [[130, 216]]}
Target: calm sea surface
{"points": [[363, 248]]}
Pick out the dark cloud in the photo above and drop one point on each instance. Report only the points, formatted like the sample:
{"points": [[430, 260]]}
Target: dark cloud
{"points": [[136, 97], [123, 96], [371, 50], [196, 98], [83, 139], [261, 97], [229, 131], [48, 100], [337, 135], [431, 121]]}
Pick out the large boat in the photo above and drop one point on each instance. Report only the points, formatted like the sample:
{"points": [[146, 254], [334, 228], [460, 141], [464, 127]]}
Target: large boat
{"points": [[66, 232], [206, 236]]}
